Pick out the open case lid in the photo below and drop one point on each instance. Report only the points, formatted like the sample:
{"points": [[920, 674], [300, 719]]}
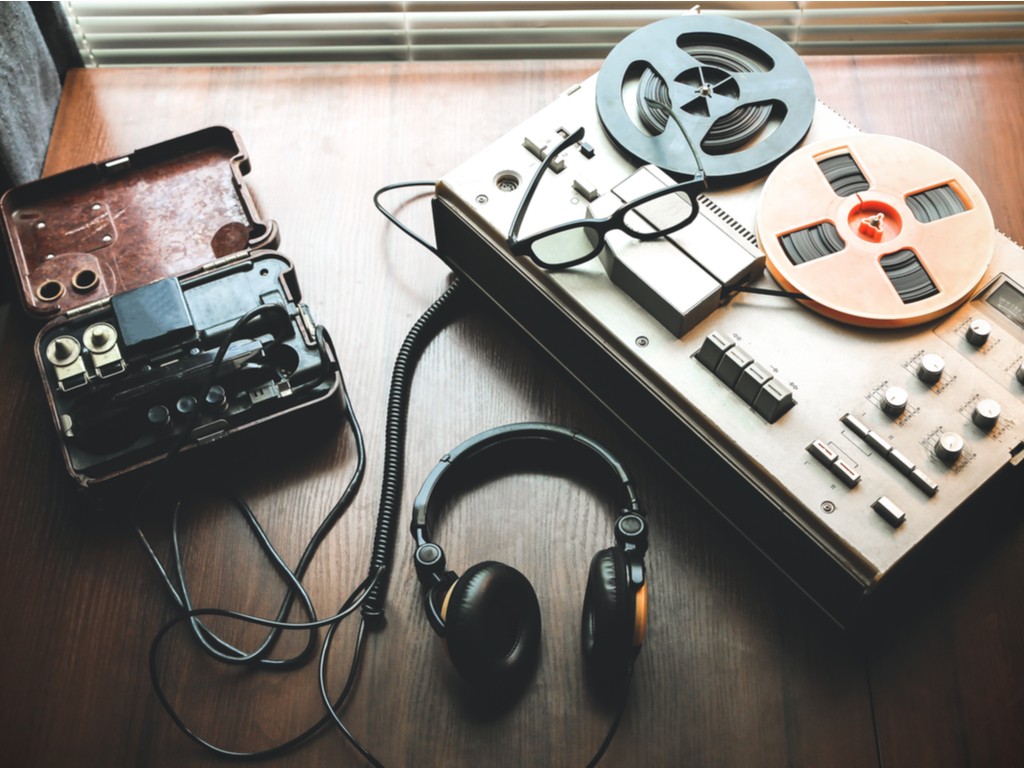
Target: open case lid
{"points": [[95, 231]]}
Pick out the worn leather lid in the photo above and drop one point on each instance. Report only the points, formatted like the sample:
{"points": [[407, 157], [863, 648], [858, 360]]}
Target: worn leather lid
{"points": [[95, 231]]}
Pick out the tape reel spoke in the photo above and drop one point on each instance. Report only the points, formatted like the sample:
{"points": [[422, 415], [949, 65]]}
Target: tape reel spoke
{"points": [[686, 99], [742, 95], [756, 88], [948, 248], [669, 62]]}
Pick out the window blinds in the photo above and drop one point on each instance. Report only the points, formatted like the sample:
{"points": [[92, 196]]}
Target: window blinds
{"points": [[165, 32]]}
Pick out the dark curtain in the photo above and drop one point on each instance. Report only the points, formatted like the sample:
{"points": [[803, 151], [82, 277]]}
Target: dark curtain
{"points": [[36, 50]]}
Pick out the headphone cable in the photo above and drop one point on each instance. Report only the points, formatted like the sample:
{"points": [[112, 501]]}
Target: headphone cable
{"points": [[614, 727], [210, 642], [347, 608]]}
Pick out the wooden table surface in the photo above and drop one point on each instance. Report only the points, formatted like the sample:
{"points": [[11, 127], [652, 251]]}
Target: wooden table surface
{"points": [[738, 669]]}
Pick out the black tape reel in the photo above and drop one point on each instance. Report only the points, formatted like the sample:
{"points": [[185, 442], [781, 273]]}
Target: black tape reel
{"points": [[744, 97]]}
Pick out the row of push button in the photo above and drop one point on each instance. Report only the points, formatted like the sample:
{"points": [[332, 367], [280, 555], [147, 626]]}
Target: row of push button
{"points": [[906, 467], [835, 464], [746, 377], [883, 505]]}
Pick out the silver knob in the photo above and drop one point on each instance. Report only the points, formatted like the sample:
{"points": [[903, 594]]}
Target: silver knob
{"points": [[978, 332], [894, 401], [986, 414], [1020, 373], [929, 370], [949, 447]]}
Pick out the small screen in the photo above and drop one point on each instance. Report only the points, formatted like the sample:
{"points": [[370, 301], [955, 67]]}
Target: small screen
{"points": [[1009, 300]]}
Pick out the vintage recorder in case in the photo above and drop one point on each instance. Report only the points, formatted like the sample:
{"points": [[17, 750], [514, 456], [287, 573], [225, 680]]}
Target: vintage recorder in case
{"points": [[171, 320]]}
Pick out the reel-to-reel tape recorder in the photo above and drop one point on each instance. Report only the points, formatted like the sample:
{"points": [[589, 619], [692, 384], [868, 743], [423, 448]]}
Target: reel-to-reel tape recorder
{"points": [[862, 388]]}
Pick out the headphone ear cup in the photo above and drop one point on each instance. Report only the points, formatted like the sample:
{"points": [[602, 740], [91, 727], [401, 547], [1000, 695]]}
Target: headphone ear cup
{"points": [[606, 631], [492, 626]]}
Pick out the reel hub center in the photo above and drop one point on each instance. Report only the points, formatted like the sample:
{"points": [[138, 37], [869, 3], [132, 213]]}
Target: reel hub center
{"points": [[875, 221]]}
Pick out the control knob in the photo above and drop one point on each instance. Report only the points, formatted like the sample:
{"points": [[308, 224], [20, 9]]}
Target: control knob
{"points": [[986, 414], [159, 417], [929, 370], [949, 447], [894, 401], [216, 398], [978, 332]]}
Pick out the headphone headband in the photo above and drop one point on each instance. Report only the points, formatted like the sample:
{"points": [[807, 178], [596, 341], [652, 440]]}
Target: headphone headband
{"points": [[503, 436]]}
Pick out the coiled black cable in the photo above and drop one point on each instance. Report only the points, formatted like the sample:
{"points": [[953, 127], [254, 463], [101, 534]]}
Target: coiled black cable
{"points": [[416, 340]]}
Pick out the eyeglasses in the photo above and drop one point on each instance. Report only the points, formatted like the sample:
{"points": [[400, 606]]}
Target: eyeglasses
{"points": [[575, 242]]}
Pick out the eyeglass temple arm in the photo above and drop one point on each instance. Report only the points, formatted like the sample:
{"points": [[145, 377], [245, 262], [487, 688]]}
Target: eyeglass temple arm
{"points": [[517, 220], [679, 123]]}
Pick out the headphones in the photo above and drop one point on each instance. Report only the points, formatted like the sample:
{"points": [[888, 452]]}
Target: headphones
{"points": [[489, 616]]}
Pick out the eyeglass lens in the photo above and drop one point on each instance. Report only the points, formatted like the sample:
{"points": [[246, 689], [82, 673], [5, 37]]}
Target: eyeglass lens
{"points": [[660, 214], [567, 246]]}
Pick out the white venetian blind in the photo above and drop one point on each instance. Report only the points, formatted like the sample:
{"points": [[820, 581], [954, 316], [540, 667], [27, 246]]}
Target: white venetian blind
{"points": [[163, 32]]}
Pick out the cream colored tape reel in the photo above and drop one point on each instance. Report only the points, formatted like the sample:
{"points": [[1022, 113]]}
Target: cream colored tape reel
{"points": [[875, 230]]}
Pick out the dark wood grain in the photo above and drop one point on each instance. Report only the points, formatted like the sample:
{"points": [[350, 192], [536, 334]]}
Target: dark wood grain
{"points": [[738, 670]]}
